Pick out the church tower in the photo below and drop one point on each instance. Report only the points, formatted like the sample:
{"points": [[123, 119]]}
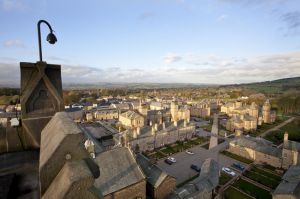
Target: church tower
{"points": [[174, 111], [143, 109], [266, 112]]}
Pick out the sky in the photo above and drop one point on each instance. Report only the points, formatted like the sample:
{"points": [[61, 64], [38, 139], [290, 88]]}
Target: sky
{"points": [[159, 41]]}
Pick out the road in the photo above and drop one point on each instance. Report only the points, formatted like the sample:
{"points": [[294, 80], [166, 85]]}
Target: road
{"points": [[278, 126], [181, 169]]}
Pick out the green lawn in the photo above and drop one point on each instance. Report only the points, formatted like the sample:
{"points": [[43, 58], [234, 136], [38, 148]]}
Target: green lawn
{"points": [[181, 146], [252, 189], [264, 180], [261, 129], [237, 157], [224, 178], [277, 136], [266, 173], [232, 193]]}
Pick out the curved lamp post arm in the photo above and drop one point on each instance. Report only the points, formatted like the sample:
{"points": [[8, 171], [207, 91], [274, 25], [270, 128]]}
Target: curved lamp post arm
{"points": [[52, 40]]}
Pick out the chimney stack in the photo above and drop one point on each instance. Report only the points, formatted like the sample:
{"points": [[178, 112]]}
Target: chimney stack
{"points": [[175, 123], [164, 125], [156, 127], [134, 134], [286, 137], [153, 130]]}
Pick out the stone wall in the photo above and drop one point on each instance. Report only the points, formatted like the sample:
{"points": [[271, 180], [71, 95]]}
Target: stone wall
{"points": [[135, 191], [165, 188], [256, 155]]}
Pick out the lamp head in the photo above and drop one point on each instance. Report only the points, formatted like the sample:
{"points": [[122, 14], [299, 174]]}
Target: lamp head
{"points": [[51, 38]]}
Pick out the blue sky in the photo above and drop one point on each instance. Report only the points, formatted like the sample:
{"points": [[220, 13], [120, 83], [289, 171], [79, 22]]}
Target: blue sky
{"points": [[183, 41]]}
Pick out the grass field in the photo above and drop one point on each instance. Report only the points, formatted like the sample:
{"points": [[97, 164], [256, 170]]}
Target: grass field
{"points": [[232, 193], [236, 157], [252, 189], [264, 180], [266, 173], [277, 136], [181, 146], [224, 178]]}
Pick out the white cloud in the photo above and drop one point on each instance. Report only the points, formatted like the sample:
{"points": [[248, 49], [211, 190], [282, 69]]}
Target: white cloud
{"points": [[222, 17], [171, 58], [146, 15], [9, 5], [193, 69], [14, 43]]}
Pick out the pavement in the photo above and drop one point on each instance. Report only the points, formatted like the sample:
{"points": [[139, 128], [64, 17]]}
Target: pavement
{"points": [[181, 169]]}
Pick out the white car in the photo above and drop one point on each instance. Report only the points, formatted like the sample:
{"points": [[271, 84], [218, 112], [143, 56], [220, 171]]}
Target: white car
{"points": [[228, 171], [172, 159], [189, 152]]}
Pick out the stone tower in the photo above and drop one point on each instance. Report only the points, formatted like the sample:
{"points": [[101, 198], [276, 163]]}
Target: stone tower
{"points": [[143, 109], [174, 111], [253, 110], [41, 98], [266, 112]]}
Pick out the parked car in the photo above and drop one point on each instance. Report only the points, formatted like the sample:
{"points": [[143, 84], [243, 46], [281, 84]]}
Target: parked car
{"points": [[238, 166], [228, 171], [195, 167], [173, 160], [189, 152], [169, 162]]}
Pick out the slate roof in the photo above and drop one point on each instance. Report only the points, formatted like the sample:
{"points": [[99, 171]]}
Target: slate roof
{"points": [[290, 184], [257, 145], [131, 115], [118, 170], [169, 126], [209, 176], [155, 175], [291, 145]]}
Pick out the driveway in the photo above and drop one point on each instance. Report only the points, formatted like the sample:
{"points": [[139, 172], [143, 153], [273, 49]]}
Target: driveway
{"points": [[181, 169]]}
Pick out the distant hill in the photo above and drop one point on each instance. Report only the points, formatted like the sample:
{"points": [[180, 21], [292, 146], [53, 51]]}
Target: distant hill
{"points": [[134, 85], [275, 86]]}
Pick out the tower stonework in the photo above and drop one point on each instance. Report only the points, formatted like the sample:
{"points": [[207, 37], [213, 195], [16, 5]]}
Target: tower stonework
{"points": [[41, 98], [174, 111], [266, 112]]}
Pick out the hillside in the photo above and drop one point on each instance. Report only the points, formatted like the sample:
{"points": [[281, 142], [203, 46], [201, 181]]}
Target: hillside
{"points": [[275, 86]]}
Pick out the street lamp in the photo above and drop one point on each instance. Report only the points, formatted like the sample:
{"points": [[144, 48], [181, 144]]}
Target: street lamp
{"points": [[51, 38]]}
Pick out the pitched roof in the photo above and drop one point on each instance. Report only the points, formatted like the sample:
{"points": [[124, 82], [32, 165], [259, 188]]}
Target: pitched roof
{"points": [[131, 115], [155, 175], [257, 144], [118, 169], [290, 184], [291, 145], [209, 176]]}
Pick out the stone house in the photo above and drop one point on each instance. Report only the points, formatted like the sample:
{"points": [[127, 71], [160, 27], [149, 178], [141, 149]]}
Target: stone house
{"points": [[159, 183], [131, 119], [106, 114], [158, 135], [262, 151]]}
